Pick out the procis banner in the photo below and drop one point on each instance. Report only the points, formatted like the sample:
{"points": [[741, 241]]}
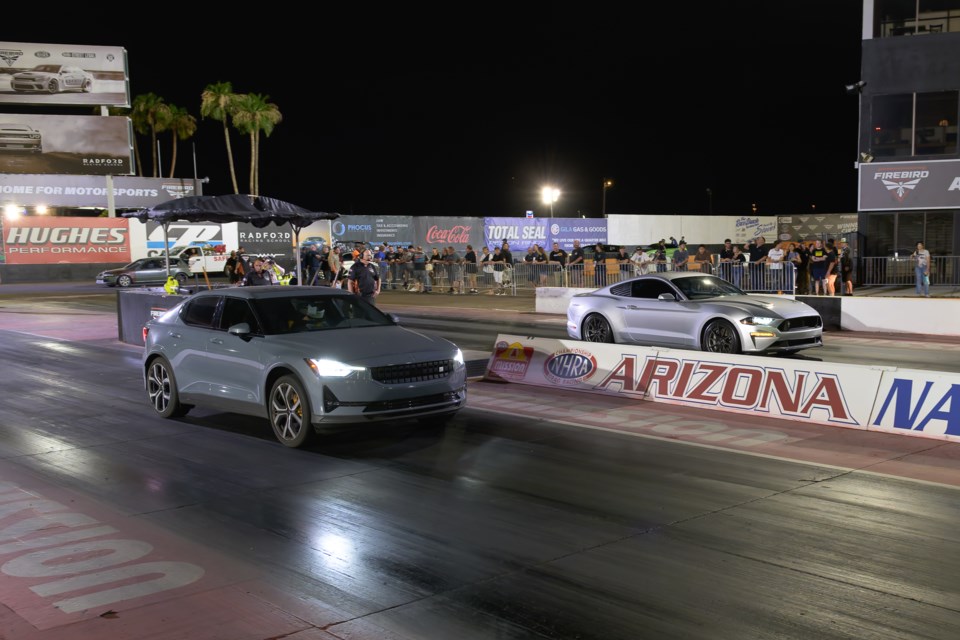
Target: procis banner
{"points": [[373, 230], [35, 240]]}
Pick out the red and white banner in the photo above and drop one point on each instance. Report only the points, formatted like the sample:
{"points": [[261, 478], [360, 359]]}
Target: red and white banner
{"points": [[36, 240], [921, 403]]}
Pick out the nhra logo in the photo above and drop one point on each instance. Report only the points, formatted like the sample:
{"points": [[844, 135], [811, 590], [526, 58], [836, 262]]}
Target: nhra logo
{"points": [[569, 367]]}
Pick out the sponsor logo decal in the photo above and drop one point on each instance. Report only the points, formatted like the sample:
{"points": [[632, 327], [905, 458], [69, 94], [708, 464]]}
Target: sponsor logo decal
{"points": [[511, 361], [899, 183], [458, 234], [739, 387], [177, 189], [569, 367], [42, 54], [10, 55], [933, 407]]}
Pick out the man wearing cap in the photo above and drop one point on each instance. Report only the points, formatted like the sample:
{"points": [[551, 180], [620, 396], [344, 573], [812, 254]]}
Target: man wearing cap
{"points": [[364, 277]]}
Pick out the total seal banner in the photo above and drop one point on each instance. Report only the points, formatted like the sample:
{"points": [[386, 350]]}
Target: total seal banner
{"points": [[917, 403]]}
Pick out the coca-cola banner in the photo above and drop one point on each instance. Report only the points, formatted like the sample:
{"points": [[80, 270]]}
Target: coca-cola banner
{"points": [[373, 230], [438, 232], [39, 240]]}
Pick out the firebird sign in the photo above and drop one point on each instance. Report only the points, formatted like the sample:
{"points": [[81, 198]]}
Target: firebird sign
{"points": [[919, 403]]}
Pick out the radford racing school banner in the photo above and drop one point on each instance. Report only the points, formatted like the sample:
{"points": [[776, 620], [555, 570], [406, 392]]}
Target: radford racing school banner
{"points": [[899, 186], [93, 145], [908, 402]]}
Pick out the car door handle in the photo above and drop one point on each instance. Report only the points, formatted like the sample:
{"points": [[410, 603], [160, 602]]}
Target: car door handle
{"points": [[216, 340], [174, 335]]}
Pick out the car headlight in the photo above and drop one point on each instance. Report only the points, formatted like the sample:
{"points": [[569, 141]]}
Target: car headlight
{"points": [[458, 357], [758, 320], [331, 368]]}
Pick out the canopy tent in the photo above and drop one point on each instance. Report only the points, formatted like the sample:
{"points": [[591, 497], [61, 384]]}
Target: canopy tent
{"points": [[260, 211]]}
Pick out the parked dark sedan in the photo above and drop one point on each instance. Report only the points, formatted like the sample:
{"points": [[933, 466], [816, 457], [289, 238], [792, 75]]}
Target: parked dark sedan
{"points": [[143, 271]]}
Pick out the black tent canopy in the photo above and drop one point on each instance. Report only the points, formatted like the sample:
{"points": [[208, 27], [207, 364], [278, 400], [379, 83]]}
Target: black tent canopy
{"points": [[260, 211]]}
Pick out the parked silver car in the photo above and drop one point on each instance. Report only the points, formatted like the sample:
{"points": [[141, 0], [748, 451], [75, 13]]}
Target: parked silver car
{"points": [[689, 310], [143, 271], [52, 78], [301, 357]]}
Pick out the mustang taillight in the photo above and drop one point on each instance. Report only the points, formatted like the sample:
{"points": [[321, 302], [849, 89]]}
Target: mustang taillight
{"points": [[146, 330]]}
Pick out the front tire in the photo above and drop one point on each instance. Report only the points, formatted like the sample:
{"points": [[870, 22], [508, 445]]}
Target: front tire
{"points": [[289, 412], [124, 281], [181, 278], [162, 390], [87, 86], [597, 329], [53, 87], [720, 337]]}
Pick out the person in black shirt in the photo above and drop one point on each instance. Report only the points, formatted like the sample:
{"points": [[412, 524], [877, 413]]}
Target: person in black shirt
{"points": [[575, 265], [257, 276], [364, 277]]}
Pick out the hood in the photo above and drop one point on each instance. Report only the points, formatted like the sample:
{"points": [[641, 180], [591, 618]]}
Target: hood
{"points": [[369, 347], [765, 304]]}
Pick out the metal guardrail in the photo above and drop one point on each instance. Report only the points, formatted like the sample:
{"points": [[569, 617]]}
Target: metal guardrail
{"points": [[901, 270]]}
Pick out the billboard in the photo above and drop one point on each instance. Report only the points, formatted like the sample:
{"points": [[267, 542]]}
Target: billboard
{"points": [[903, 186], [63, 74], [91, 191], [85, 145], [41, 240], [431, 231], [392, 230], [521, 233]]}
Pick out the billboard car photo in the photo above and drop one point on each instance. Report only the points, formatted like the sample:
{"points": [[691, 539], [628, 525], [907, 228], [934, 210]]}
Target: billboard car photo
{"points": [[52, 78], [20, 138]]}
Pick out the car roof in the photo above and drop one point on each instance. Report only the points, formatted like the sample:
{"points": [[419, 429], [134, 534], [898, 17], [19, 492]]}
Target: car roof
{"points": [[264, 291]]}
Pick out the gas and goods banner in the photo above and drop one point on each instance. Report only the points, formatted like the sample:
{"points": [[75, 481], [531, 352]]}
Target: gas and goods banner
{"points": [[63, 74], [520, 233], [565, 230], [36, 240], [430, 232]]}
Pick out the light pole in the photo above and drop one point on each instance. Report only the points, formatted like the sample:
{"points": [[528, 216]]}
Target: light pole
{"points": [[607, 183], [550, 195]]}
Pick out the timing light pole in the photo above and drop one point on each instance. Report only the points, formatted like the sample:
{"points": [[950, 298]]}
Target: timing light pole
{"points": [[607, 183]]}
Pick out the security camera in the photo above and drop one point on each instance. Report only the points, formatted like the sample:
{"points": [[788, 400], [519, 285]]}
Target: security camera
{"points": [[856, 87]]}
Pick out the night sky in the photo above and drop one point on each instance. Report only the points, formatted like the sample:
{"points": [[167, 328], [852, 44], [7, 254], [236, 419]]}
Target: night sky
{"points": [[470, 115]]}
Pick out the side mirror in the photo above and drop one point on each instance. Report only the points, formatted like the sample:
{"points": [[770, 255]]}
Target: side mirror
{"points": [[666, 296], [240, 329]]}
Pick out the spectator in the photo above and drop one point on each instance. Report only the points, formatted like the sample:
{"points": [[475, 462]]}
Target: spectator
{"points": [[392, 273], [803, 269], [499, 268], [776, 272], [681, 257], [641, 261], [833, 267], [599, 265], [921, 270], [818, 266], [529, 261], [703, 259], [737, 261], [726, 254], [624, 263], [558, 262], [540, 260], [405, 261], [846, 271], [257, 276], [336, 266], [470, 268], [758, 254], [575, 265], [231, 268], [364, 277], [488, 268], [660, 257], [454, 271]]}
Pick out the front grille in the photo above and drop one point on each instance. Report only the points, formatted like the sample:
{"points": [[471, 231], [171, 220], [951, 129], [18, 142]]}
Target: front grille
{"points": [[805, 322], [413, 372]]}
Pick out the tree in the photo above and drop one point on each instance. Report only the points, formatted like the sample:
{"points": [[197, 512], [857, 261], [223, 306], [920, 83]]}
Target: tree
{"points": [[254, 113], [150, 114], [182, 126], [217, 102]]}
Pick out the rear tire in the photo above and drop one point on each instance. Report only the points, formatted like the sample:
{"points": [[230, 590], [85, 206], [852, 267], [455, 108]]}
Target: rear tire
{"points": [[162, 390], [720, 337], [289, 412], [597, 329]]}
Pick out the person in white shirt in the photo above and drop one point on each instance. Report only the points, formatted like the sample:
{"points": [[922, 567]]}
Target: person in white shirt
{"points": [[775, 259], [641, 261]]}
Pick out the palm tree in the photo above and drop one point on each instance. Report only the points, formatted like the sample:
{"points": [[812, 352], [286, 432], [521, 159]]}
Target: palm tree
{"points": [[217, 102], [182, 125], [150, 114], [253, 114]]}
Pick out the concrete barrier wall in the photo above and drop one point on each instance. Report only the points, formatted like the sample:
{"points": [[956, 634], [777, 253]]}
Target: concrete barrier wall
{"points": [[889, 399], [928, 316]]}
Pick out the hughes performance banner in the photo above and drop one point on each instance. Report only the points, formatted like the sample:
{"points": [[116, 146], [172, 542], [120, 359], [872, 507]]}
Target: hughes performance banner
{"points": [[63, 74], [37, 240]]}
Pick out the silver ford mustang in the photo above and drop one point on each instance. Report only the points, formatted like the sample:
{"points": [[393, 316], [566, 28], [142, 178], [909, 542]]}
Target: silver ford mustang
{"points": [[688, 310], [300, 357]]}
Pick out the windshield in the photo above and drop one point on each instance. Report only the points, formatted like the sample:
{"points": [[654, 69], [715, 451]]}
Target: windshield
{"points": [[700, 287], [296, 314]]}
